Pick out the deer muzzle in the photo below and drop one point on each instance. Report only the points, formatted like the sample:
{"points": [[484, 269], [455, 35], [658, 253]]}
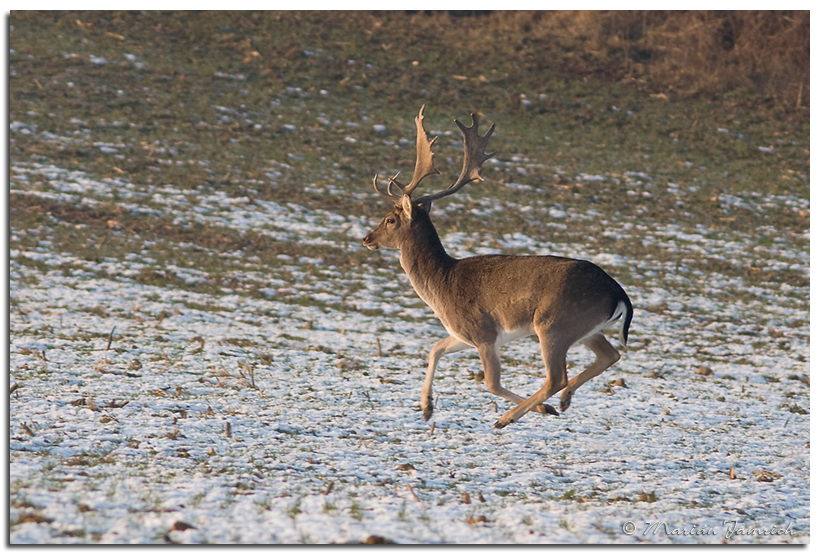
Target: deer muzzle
{"points": [[370, 243]]}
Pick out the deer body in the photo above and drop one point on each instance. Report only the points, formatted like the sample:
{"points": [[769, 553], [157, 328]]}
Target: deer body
{"points": [[487, 301]]}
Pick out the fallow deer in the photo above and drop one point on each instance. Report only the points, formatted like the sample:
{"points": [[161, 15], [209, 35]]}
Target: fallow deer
{"points": [[486, 301]]}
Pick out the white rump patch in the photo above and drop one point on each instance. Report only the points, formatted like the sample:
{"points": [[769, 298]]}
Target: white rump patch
{"points": [[619, 313]]}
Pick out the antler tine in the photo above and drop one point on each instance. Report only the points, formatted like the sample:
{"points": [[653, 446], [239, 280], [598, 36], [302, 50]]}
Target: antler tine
{"points": [[424, 157], [391, 182], [474, 157], [389, 193]]}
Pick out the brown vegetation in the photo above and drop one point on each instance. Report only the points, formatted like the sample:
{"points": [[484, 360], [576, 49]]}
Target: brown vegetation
{"points": [[702, 53]]}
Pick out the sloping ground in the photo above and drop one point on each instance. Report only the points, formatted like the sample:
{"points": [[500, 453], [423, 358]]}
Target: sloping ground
{"points": [[201, 350]]}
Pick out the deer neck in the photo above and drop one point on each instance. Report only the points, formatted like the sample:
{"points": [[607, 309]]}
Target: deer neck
{"points": [[427, 265]]}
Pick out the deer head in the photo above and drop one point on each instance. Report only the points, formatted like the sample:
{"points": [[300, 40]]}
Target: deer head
{"points": [[409, 217], [394, 228]]}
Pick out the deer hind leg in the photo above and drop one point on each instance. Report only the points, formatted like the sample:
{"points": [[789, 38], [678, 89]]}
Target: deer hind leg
{"points": [[605, 357], [555, 359], [492, 377], [442, 347]]}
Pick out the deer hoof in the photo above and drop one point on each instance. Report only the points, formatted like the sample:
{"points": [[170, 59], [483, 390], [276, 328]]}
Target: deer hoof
{"points": [[502, 422], [545, 409], [427, 411], [566, 398]]}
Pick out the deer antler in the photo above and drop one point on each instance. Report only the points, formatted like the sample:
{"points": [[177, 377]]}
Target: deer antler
{"points": [[424, 164], [388, 193], [474, 157]]}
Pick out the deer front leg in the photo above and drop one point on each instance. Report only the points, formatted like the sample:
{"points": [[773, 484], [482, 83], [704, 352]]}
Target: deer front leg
{"points": [[492, 377], [445, 346]]}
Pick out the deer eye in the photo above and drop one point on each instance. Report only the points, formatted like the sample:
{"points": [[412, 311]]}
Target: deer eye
{"points": [[390, 221]]}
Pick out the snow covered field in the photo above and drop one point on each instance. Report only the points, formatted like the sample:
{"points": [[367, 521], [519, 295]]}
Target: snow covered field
{"points": [[152, 403]]}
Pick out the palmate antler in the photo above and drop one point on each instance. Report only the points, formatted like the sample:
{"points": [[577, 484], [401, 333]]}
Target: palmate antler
{"points": [[474, 157], [424, 164]]}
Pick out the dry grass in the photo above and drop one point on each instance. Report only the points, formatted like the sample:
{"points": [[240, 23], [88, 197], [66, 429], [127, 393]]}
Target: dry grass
{"points": [[701, 53]]}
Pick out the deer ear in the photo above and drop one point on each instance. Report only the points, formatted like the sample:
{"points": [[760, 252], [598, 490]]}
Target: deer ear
{"points": [[426, 206], [407, 205]]}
